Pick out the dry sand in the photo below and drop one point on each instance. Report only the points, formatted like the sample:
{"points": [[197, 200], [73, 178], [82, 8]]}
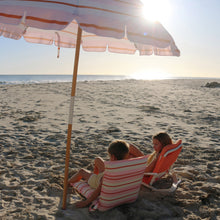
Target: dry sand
{"points": [[33, 135]]}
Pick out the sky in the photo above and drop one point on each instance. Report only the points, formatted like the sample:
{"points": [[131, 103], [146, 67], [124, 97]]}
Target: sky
{"points": [[193, 24]]}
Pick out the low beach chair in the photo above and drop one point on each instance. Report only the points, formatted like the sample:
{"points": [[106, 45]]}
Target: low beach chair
{"points": [[121, 183], [168, 156]]}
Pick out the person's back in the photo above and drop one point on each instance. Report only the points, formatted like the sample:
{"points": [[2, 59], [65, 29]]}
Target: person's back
{"points": [[118, 150]]}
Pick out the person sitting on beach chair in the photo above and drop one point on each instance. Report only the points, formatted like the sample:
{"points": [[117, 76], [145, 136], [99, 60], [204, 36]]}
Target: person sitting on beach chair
{"points": [[161, 160], [160, 140], [99, 163], [118, 150]]}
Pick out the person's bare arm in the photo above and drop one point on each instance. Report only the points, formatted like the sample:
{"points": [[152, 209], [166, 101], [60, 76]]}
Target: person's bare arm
{"points": [[94, 196], [151, 166], [99, 165], [134, 151]]}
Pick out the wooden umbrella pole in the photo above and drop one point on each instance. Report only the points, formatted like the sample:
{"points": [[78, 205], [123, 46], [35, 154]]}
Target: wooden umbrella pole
{"points": [[68, 144]]}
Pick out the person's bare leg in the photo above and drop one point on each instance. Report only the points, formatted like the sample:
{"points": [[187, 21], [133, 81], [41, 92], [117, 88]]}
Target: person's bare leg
{"points": [[81, 174], [134, 151], [99, 165]]}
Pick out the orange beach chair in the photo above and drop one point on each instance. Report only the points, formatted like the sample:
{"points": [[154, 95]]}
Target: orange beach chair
{"points": [[163, 166]]}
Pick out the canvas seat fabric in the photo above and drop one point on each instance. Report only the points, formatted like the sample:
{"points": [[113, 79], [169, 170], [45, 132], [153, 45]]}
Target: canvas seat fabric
{"points": [[121, 183], [167, 158]]}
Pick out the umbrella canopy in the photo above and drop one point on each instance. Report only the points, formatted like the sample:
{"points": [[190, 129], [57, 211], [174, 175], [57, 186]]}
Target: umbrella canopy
{"points": [[97, 25], [116, 25]]}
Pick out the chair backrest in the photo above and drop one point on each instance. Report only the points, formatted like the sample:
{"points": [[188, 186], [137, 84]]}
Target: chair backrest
{"points": [[121, 182], [167, 158]]}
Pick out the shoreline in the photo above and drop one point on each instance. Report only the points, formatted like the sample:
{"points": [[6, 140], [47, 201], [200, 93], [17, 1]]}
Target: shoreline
{"points": [[8, 79]]}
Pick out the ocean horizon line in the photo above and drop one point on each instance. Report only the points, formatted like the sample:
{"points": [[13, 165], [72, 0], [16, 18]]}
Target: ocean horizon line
{"points": [[53, 78]]}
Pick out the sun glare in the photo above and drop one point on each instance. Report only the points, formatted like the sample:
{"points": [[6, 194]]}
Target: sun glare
{"points": [[156, 10], [154, 74]]}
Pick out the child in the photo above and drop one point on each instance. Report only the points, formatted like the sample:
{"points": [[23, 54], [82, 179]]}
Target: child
{"points": [[160, 140], [118, 150]]}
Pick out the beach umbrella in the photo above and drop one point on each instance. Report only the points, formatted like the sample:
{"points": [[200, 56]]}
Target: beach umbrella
{"points": [[98, 25]]}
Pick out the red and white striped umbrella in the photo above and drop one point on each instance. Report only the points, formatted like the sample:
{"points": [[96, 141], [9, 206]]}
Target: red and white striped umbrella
{"points": [[97, 25]]}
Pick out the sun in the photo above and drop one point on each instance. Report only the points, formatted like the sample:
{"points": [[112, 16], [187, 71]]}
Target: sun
{"points": [[156, 10]]}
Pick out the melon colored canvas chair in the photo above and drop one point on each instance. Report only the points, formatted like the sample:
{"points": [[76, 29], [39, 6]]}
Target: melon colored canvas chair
{"points": [[121, 183], [167, 158]]}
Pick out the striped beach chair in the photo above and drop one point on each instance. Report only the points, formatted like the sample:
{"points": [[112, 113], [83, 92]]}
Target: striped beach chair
{"points": [[121, 183]]}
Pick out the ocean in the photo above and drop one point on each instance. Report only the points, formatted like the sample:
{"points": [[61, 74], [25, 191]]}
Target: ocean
{"points": [[33, 79]]}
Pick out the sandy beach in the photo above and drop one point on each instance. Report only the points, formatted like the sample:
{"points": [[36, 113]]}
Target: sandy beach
{"points": [[33, 133]]}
